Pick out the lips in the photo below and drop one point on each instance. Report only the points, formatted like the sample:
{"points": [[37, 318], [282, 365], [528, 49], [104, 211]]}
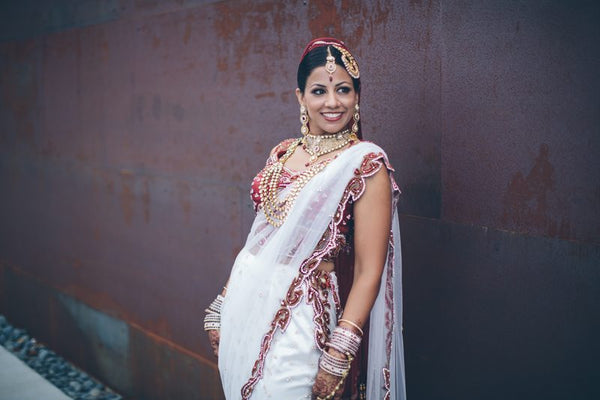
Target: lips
{"points": [[332, 116]]}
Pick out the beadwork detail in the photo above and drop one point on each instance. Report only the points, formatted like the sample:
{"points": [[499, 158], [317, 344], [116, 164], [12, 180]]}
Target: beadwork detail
{"points": [[319, 145], [276, 211], [328, 245], [349, 62], [317, 294], [330, 66]]}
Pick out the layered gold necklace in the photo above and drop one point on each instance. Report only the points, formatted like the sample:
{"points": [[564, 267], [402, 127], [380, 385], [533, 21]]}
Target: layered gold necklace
{"points": [[276, 210], [319, 145]]}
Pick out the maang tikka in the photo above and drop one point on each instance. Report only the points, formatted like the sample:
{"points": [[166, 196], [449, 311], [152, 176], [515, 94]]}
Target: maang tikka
{"points": [[330, 65]]}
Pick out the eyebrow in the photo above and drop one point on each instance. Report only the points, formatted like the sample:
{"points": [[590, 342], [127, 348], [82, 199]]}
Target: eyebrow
{"points": [[339, 84]]}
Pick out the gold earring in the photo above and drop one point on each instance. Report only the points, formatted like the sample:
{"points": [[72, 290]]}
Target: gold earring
{"points": [[356, 118], [303, 120]]}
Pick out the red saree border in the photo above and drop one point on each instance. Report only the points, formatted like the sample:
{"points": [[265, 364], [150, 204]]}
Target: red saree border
{"points": [[371, 164]]}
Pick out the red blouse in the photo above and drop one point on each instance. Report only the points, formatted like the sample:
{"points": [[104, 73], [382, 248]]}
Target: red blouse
{"points": [[340, 232], [288, 176]]}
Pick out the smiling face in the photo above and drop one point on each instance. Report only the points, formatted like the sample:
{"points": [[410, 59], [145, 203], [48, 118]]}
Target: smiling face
{"points": [[329, 103]]}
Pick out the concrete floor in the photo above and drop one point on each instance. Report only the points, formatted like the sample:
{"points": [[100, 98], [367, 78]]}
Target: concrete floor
{"points": [[19, 382]]}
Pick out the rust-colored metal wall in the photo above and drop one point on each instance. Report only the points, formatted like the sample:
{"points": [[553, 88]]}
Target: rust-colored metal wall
{"points": [[130, 130]]}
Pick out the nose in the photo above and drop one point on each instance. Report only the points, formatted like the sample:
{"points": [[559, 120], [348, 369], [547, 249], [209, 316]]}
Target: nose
{"points": [[331, 100]]}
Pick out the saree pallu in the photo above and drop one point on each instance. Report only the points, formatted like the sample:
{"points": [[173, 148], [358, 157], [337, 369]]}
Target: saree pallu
{"points": [[275, 318]]}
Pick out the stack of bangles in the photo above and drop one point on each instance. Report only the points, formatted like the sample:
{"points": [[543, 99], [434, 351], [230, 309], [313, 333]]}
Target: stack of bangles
{"points": [[346, 342], [212, 320]]}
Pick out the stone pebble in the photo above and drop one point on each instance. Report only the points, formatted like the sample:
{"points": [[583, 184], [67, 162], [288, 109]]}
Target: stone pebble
{"points": [[72, 381]]}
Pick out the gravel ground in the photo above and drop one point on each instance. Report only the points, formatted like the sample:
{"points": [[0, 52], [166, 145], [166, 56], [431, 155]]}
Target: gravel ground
{"points": [[62, 374]]}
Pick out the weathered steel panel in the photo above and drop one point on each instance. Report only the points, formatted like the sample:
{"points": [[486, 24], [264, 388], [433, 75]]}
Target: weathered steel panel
{"points": [[521, 101], [122, 354], [129, 133], [27, 18], [401, 103], [497, 315], [141, 248], [20, 85], [165, 371]]}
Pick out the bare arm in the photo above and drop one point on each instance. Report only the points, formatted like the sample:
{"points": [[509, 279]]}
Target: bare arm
{"points": [[372, 224]]}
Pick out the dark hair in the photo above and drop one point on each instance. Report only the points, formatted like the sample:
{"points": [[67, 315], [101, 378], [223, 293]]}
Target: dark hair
{"points": [[317, 58]]}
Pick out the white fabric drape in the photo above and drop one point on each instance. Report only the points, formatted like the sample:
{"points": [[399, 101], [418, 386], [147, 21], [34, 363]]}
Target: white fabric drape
{"points": [[383, 316], [272, 258]]}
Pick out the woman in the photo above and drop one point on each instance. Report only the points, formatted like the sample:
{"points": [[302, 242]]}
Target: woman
{"points": [[326, 209]]}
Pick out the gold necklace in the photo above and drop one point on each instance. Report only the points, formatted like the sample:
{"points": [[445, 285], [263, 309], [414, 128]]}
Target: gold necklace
{"points": [[276, 211], [319, 145]]}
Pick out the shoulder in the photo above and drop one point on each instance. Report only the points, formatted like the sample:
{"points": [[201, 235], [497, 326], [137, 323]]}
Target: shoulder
{"points": [[374, 161], [373, 158], [279, 150], [281, 147]]}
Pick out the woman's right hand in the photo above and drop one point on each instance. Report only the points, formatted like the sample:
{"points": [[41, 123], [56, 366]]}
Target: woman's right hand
{"points": [[325, 383], [214, 336]]}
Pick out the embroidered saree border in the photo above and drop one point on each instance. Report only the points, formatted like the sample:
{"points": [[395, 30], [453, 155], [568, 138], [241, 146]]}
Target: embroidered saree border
{"points": [[371, 164]]}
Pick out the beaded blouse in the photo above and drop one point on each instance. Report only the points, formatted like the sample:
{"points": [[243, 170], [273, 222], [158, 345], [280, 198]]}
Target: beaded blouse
{"points": [[345, 225], [288, 176]]}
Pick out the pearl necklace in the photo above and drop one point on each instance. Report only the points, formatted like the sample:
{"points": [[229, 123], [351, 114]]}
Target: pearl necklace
{"points": [[319, 145], [276, 211]]}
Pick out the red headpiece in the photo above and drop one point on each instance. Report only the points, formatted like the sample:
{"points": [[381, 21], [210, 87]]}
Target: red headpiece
{"points": [[347, 58]]}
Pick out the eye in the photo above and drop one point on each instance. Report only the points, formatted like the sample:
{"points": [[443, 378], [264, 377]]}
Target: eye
{"points": [[318, 91], [344, 89]]}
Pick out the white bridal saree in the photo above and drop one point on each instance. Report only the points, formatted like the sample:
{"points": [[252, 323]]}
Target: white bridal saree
{"points": [[278, 308]]}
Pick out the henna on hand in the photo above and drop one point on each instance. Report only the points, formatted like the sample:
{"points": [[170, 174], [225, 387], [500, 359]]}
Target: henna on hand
{"points": [[324, 385], [214, 337], [325, 382]]}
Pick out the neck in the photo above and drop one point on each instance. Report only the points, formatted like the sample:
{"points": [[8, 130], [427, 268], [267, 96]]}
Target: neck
{"points": [[325, 135], [319, 145]]}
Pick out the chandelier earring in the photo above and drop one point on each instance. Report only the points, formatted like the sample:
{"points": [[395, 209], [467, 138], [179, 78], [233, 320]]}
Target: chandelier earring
{"points": [[303, 120], [356, 118]]}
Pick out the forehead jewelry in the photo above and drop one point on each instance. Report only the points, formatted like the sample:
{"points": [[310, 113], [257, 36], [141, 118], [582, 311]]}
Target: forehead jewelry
{"points": [[349, 62], [330, 64]]}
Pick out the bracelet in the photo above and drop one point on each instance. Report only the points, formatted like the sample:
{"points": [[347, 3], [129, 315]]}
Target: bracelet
{"points": [[215, 306], [332, 365], [345, 341], [212, 319], [212, 326], [340, 383], [212, 322], [353, 324]]}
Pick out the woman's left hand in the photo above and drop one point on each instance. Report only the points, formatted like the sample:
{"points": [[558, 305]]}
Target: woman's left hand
{"points": [[325, 383], [214, 336]]}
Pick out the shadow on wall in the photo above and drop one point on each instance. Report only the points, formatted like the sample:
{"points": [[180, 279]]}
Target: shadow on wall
{"points": [[526, 200]]}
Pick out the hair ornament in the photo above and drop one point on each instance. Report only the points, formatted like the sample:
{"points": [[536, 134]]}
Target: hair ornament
{"points": [[330, 65], [349, 62]]}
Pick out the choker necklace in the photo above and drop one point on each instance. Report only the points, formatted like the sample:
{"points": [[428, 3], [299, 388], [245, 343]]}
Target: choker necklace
{"points": [[319, 145]]}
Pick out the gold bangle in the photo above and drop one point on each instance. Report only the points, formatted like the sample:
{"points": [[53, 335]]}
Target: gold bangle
{"points": [[353, 324]]}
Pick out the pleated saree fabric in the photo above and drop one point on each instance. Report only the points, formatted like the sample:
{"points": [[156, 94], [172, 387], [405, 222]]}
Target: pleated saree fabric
{"points": [[279, 308]]}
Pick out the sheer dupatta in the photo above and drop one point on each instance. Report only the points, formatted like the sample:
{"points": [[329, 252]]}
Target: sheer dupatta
{"points": [[268, 275], [385, 376]]}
